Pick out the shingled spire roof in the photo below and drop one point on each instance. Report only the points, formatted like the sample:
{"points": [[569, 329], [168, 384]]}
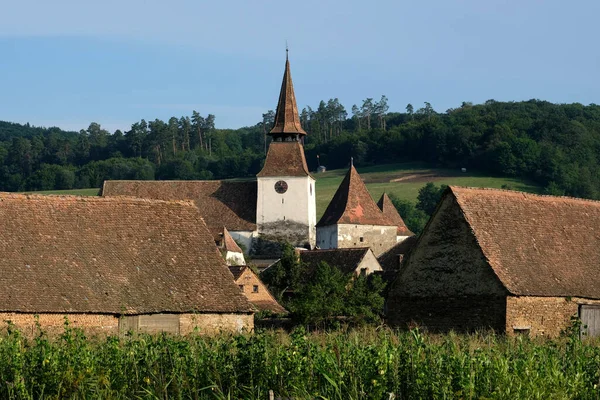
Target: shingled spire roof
{"points": [[287, 121], [389, 210], [352, 204]]}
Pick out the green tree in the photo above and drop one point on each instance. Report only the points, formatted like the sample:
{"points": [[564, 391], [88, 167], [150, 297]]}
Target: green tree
{"points": [[429, 196]]}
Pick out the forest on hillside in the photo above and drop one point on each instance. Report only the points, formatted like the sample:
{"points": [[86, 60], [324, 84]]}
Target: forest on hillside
{"points": [[555, 145]]}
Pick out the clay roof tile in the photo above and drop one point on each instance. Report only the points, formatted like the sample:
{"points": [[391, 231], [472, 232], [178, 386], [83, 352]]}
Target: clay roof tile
{"points": [[68, 254]]}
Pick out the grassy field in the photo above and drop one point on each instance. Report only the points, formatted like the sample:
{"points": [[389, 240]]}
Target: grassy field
{"points": [[405, 180], [402, 180]]}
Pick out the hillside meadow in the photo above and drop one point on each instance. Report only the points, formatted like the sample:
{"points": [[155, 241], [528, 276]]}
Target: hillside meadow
{"points": [[402, 180]]}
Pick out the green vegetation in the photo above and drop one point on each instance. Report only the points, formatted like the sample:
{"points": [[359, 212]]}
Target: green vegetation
{"points": [[403, 181], [553, 146], [320, 295], [360, 364]]}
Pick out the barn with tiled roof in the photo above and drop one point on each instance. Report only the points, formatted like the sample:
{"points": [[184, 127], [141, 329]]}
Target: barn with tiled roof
{"points": [[510, 261], [113, 264]]}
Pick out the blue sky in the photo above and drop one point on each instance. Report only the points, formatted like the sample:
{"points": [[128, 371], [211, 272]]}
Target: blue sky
{"points": [[67, 63]]}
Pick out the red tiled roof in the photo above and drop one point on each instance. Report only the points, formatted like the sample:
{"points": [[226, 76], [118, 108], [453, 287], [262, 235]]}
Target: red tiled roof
{"points": [[285, 159], [389, 210], [221, 203], [536, 245], [286, 116], [121, 255], [229, 244], [352, 204]]}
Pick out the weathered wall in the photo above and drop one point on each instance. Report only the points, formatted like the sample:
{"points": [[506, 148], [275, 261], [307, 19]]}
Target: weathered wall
{"points": [[96, 324], [53, 324], [233, 258], [327, 237], [378, 238], [444, 314], [215, 323], [296, 207], [542, 316], [369, 263], [447, 261]]}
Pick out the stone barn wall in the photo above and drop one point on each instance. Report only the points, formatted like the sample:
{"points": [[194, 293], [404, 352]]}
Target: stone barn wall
{"points": [[99, 324], [444, 314], [541, 316]]}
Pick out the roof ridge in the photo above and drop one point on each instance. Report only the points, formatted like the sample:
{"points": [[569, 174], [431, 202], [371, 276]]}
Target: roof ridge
{"points": [[91, 199], [524, 194]]}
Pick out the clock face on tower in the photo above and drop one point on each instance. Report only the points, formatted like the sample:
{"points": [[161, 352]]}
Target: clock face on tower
{"points": [[281, 187]]}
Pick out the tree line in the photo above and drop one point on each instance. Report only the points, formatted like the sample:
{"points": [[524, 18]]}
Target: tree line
{"points": [[555, 145]]}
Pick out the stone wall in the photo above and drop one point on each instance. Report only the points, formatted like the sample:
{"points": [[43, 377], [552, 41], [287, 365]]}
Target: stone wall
{"points": [[541, 316], [444, 314], [215, 323], [53, 324], [98, 324], [344, 236]]}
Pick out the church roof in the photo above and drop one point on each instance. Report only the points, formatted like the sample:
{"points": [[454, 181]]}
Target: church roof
{"points": [[536, 245], [229, 243], [286, 116], [285, 159], [70, 254], [352, 204], [389, 210], [221, 203]]}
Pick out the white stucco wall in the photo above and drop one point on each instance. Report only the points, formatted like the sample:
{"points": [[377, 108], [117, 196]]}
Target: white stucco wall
{"points": [[233, 258], [297, 204], [401, 238], [244, 238]]}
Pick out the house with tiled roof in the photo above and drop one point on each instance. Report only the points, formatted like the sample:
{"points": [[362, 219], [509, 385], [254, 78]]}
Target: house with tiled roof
{"points": [[355, 261], [503, 260], [113, 265], [280, 205], [353, 219], [255, 290], [230, 250]]}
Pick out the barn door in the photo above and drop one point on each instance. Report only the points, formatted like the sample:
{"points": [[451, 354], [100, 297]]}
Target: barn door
{"points": [[590, 320]]}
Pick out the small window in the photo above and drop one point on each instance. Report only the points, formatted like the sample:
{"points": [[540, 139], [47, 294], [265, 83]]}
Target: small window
{"points": [[311, 189], [255, 289], [282, 201], [363, 271], [362, 239], [522, 330], [241, 288]]}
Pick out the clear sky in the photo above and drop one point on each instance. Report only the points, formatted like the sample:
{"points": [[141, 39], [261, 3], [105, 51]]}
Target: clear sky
{"points": [[67, 63]]}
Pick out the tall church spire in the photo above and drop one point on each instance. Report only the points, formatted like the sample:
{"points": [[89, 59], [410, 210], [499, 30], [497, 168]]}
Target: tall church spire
{"points": [[287, 122]]}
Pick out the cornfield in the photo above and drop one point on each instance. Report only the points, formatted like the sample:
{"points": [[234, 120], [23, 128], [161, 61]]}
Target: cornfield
{"points": [[365, 363]]}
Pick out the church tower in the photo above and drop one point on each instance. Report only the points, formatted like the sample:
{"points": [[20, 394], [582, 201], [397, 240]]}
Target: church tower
{"points": [[286, 206]]}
